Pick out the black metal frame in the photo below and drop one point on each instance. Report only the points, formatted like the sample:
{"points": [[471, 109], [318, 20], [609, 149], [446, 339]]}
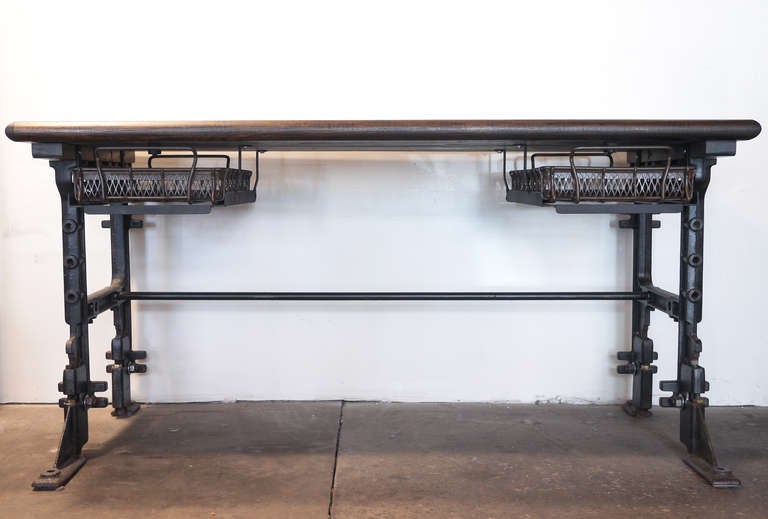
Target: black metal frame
{"points": [[640, 357], [80, 309], [76, 381], [381, 296], [121, 353], [685, 307], [688, 389]]}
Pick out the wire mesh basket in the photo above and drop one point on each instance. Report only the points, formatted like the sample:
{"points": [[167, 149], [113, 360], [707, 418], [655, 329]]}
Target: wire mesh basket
{"points": [[572, 183], [216, 185]]}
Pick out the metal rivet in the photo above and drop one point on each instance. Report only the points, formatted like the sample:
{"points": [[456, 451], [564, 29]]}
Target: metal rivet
{"points": [[694, 260], [70, 262], [696, 224], [50, 473], [69, 226], [694, 295], [72, 296]]}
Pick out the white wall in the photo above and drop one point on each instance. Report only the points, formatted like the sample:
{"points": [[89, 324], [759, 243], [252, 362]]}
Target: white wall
{"points": [[384, 221]]}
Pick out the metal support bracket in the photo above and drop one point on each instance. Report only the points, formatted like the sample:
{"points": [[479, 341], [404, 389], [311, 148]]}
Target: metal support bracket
{"points": [[701, 455], [639, 360], [660, 299], [76, 382], [687, 390], [617, 208], [133, 223], [68, 460], [121, 350], [103, 300], [199, 208]]}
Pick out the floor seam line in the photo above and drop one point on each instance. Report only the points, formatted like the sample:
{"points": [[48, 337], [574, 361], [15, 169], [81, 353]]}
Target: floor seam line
{"points": [[335, 460]]}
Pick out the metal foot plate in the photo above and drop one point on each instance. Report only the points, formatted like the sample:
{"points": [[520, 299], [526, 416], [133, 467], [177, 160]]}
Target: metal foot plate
{"points": [[54, 478], [632, 410], [127, 411], [718, 477]]}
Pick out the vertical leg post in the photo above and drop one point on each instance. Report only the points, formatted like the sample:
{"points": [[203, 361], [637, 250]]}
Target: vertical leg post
{"points": [[76, 382], [121, 351], [688, 389], [640, 358]]}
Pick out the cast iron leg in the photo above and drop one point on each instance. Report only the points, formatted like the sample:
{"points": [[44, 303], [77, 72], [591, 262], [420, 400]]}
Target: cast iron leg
{"points": [[121, 351], [640, 358], [687, 390], [76, 382]]}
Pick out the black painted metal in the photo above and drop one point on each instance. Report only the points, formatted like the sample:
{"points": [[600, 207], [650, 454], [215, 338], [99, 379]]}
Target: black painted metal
{"points": [[641, 356], [121, 352], [101, 301], [660, 299], [616, 208], [70, 449], [201, 208], [380, 296], [691, 383], [76, 382]]}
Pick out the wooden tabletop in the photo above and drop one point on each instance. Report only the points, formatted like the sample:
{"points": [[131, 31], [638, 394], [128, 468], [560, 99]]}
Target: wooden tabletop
{"points": [[382, 135]]}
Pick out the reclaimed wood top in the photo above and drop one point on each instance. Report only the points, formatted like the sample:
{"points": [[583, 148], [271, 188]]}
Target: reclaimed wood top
{"points": [[384, 134]]}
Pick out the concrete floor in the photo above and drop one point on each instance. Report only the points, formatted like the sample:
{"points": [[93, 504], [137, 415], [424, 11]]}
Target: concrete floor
{"points": [[394, 460]]}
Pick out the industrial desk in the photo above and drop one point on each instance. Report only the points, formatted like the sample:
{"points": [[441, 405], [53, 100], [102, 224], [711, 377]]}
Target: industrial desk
{"points": [[633, 168]]}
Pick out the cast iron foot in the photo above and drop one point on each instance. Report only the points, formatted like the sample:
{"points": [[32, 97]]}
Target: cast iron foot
{"points": [[633, 410], [127, 411], [718, 477], [54, 478]]}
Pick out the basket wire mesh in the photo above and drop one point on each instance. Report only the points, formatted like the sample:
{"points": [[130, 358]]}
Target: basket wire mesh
{"points": [[107, 184], [572, 183], [157, 184], [556, 183]]}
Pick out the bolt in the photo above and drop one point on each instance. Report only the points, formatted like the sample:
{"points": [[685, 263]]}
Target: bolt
{"points": [[70, 262], [50, 473], [694, 260], [696, 224], [69, 226]]}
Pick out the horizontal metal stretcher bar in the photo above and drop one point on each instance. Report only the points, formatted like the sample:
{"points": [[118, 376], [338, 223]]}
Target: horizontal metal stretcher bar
{"points": [[382, 296]]}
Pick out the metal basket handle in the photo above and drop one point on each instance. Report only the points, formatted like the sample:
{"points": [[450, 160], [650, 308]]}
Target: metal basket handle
{"points": [[152, 155], [256, 170], [256, 166], [567, 154], [192, 168], [102, 177], [571, 155], [611, 149]]}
